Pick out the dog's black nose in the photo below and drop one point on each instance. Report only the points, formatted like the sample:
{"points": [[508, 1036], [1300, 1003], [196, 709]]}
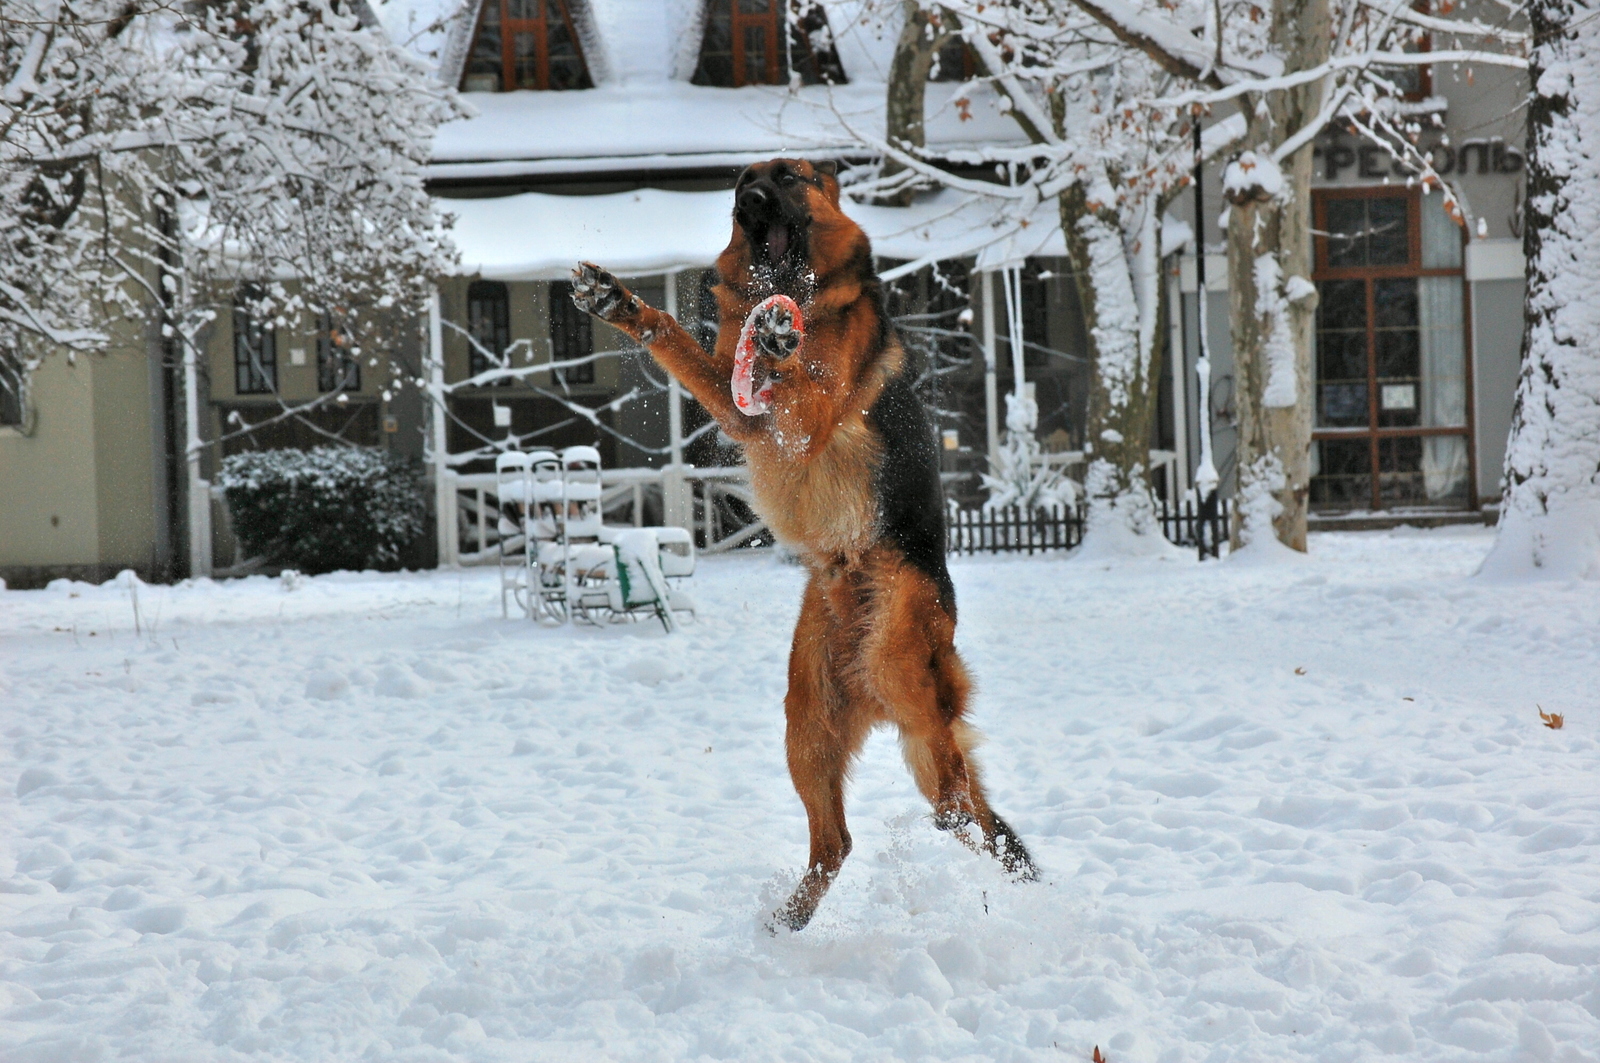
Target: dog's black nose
{"points": [[755, 200]]}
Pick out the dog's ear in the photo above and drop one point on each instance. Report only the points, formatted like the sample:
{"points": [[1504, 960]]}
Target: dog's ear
{"points": [[827, 175]]}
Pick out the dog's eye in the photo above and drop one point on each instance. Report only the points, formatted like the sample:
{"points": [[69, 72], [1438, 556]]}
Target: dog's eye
{"points": [[786, 179]]}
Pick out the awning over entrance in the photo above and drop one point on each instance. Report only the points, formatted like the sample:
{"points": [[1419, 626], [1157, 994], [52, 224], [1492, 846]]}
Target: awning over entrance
{"points": [[536, 236]]}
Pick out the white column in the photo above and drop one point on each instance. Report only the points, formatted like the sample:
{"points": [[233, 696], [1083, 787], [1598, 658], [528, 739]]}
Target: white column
{"points": [[1180, 381], [444, 510], [199, 491], [1013, 285], [677, 503], [991, 398]]}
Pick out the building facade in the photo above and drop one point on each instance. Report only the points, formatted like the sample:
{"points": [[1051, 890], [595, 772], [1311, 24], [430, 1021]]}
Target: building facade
{"points": [[614, 131]]}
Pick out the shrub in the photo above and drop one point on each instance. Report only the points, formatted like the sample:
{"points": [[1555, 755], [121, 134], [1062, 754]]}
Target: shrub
{"points": [[324, 509]]}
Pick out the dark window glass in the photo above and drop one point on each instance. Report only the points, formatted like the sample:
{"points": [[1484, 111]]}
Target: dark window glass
{"points": [[485, 71], [1368, 231], [953, 61], [1347, 224], [526, 44], [1342, 354], [756, 54], [743, 43], [1343, 478], [255, 349], [336, 369], [1378, 378], [1389, 229], [567, 70], [1400, 470], [489, 325], [571, 336], [1396, 351], [10, 404]]}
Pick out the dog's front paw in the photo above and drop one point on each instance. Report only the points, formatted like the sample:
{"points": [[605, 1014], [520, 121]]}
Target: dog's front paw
{"points": [[777, 334], [597, 292]]}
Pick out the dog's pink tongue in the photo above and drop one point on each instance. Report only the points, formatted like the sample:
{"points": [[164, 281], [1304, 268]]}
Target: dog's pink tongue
{"points": [[777, 243]]}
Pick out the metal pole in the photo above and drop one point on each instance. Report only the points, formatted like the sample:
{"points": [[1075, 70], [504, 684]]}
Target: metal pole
{"points": [[991, 398], [677, 500], [674, 389], [1205, 477]]}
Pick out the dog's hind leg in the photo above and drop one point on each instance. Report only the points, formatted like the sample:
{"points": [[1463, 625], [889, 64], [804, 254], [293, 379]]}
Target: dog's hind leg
{"points": [[822, 738], [911, 663]]}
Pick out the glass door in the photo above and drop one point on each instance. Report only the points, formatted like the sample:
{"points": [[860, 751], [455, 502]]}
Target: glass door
{"points": [[1391, 427]]}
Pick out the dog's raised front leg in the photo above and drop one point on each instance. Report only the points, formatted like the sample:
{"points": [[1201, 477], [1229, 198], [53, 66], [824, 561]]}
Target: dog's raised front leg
{"points": [[707, 377]]}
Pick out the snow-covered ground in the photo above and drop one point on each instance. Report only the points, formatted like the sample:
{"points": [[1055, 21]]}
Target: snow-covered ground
{"points": [[1284, 812]]}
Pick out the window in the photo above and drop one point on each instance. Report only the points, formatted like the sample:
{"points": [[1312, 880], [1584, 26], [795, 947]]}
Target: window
{"points": [[10, 405], [954, 61], [745, 44], [255, 348], [571, 336], [1391, 390], [526, 44], [489, 325], [1413, 82], [337, 370]]}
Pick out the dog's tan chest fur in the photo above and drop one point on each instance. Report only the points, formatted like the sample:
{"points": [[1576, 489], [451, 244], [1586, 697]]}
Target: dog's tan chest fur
{"points": [[823, 505]]}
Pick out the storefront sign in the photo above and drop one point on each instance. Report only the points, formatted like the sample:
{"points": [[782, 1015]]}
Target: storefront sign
{"points": [[1337, 155]]}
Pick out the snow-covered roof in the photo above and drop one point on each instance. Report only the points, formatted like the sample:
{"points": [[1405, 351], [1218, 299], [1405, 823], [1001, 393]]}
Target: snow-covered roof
{"points": [[644, 114], [677, 125]]}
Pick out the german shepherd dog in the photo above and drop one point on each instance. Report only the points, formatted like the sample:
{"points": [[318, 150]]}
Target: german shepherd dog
{"points": [[845, 471]]}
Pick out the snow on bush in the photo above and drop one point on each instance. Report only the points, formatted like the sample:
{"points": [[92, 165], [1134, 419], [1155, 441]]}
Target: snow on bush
{"points": [[1021, 478], [324, 509]]}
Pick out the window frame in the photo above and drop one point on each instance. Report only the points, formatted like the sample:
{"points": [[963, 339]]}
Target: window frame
{"points": [[498, 294], [540, 29], [255, 372], [1373, 432], [565, 346], [788, 41]]}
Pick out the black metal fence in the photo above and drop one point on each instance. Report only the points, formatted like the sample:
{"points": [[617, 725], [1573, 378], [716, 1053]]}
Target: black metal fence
{"points": [[1011, 530]]}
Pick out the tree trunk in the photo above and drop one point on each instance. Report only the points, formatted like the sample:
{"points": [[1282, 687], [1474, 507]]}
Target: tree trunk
{"points": [[1271, 301], [1550, 513], [908, 85], [1125, 360]]}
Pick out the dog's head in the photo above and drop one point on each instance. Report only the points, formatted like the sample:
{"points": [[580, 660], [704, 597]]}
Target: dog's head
{"points": [[788, 230]]}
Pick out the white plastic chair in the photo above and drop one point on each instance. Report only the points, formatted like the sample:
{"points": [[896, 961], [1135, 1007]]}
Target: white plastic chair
{"points": [[517, 551]]}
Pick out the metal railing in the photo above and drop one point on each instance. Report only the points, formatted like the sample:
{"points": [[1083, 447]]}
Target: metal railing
{"points": [[714, 503], [1010, 529]]}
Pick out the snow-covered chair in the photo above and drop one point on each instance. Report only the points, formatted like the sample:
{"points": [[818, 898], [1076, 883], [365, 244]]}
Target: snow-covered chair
{"points": [[518, 552], [587, 557], [558, 559], [641, 583]]}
